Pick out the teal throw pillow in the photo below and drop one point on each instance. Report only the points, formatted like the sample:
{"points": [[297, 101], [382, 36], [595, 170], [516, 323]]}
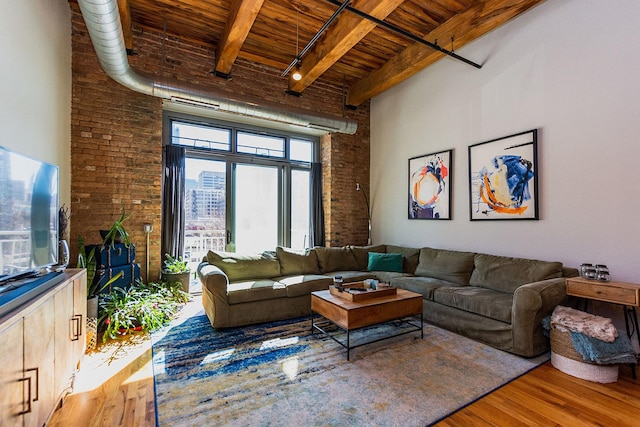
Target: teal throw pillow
{"points": [[385, 262]]}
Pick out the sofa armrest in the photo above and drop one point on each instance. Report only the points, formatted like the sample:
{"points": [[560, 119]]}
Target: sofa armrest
{"points": [[214, 294], [213, 279], [531, 303]]}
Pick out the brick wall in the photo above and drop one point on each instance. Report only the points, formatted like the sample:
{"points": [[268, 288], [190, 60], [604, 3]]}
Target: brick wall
{"points": [[116, 147]]}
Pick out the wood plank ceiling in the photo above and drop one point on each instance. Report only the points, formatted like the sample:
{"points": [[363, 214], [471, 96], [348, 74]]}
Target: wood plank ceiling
{"points": [[365, 57]]}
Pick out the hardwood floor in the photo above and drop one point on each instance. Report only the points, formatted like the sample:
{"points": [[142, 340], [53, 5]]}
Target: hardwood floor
{"points": [[548, 397], [115, 388]]}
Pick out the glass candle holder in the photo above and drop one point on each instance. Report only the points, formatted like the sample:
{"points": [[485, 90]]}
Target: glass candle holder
{"points": [[602, 273], [584, 268]]}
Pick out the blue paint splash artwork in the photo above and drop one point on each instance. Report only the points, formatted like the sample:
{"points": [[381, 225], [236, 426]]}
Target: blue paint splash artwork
{"points": [[505, 189]]}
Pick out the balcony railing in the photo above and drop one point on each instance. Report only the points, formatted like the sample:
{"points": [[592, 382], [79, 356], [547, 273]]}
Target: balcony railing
{"points": [[15, 251], [198, 242]]}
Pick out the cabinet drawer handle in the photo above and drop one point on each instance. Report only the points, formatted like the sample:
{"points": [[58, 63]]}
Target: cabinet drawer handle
{"points": [[76, 331], [37, 371], [28, 410], [79, 316]]}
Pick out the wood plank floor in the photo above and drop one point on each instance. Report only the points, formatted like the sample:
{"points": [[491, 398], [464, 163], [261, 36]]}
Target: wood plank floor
{"points": [[115, 388]]}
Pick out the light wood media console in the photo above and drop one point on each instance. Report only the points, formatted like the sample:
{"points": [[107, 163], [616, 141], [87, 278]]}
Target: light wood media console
{"points": [[43, 342]]}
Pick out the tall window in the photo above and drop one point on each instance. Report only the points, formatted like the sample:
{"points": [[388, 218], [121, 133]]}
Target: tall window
{"points": [[247, 189]]}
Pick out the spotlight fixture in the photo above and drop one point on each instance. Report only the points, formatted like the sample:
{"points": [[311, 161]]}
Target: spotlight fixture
{"points": [[297, 75]]}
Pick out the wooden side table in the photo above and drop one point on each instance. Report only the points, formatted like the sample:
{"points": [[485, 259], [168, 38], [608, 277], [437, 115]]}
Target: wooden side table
{"points": [[621, 293]]}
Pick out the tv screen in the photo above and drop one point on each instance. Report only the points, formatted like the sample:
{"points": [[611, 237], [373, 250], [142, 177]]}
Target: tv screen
{"points": [[28, 215]]}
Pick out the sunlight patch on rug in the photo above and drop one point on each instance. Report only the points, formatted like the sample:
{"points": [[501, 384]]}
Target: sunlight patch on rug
{"points": [[279, 374]]}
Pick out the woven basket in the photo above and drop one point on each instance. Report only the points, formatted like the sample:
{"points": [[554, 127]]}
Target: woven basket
{"points": [[92, 333], [565, 358], [561, 344]]}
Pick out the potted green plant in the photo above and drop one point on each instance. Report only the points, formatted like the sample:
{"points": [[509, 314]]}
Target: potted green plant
{"points": [[176, 269], [117, 233], [144, 307]]}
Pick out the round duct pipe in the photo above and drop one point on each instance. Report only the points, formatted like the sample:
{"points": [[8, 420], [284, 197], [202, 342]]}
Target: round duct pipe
{"points": [[105, 29]]}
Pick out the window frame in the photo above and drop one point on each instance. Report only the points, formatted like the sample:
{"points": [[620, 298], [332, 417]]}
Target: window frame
{"points": [[232, 157]]}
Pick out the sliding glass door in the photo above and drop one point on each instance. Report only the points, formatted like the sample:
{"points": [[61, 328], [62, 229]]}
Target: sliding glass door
{"points": [[255, 208]]}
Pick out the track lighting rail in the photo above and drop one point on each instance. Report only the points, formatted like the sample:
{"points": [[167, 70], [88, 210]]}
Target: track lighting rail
{"points": [[345, 6], [405, 33]]}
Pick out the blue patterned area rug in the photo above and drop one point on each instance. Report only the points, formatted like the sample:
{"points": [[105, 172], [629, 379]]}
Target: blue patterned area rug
{"points": [[279, 374]]}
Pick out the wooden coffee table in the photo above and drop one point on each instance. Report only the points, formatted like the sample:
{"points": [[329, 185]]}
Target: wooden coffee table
{"points": [[351, 315]]}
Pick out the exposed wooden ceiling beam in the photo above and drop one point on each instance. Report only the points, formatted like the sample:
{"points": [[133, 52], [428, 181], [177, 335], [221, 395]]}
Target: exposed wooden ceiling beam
{"points": [[464, 27], [125, 18], [241, 18], [345, 33]]}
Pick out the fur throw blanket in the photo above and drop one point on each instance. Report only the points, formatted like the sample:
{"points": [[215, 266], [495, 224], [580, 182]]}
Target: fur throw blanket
{"points": [[569, 319]]}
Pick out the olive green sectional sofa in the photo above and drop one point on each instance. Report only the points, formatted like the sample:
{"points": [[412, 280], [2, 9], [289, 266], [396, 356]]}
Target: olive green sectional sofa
{"points": [[496, 300]]}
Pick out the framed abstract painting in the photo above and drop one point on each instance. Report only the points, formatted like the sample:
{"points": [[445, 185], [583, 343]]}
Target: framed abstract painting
{"points": [[430, 186], [503, 178]]}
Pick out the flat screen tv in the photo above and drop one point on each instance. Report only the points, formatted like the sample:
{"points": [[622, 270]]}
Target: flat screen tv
{"points": [[28, 216]]}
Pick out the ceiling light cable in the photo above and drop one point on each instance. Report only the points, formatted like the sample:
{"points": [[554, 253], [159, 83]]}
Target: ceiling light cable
{"points": [[297, 75], [315, 38]]}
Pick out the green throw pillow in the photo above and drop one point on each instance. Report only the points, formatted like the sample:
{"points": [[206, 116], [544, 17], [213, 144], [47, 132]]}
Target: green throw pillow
{"points": [[385, 262], [362, 254]]}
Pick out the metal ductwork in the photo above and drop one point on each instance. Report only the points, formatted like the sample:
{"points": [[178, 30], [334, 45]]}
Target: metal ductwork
{"points": [[105, 29]]}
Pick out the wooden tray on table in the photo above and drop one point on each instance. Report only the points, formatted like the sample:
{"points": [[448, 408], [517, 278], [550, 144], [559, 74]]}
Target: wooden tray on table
{"points": [[351, 294]]}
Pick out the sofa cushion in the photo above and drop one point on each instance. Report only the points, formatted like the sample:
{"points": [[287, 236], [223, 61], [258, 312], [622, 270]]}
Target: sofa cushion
{"points": [[351, 276], [506, 274], [362, 254], [388, 276], [334, 259], [295, 262], [255, 290], [239, 267], [304, 284], [385, 262], [421, 285], [485, 302], [410, 257], [453, 266]]}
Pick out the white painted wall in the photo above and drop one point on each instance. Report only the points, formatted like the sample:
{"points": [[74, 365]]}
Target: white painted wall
{"points": [[35, 82], [570, 68]]}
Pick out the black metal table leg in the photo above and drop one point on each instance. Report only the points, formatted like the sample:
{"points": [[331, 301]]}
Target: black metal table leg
{"points": [[347, 345], [631, 312], [635, 324], [626, 319]]}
